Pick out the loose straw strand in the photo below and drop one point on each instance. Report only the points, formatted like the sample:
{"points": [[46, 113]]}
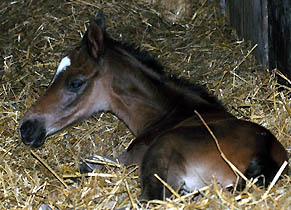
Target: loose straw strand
{"points": [[49, 168], [233, 167]]}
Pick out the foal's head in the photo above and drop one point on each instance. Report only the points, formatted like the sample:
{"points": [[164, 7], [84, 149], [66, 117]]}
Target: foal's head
{"points": [[78, 83]]}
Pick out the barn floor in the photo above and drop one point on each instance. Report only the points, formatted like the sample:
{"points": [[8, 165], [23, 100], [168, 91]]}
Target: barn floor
{"points": [[200, 47]]}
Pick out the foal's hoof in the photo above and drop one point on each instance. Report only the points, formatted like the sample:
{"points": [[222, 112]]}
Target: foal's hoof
{"points": [[44, 207], [86, 168], [97, 162]]}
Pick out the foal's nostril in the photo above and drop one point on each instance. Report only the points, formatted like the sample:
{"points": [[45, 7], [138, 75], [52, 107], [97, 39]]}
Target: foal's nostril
{"points": [[27, 129], [32, 133]]}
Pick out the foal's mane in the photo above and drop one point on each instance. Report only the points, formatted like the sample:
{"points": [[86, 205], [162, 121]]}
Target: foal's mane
{"points": [[180, 85], [141, 55], [149, 61]]}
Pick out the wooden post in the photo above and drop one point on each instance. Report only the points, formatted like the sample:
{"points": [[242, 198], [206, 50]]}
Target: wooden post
{"points": [[268, 24], [280, 35], [250, 19]]}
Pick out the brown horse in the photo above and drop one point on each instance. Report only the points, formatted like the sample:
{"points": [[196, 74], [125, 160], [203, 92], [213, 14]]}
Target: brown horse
{"points": [[171, 140]]}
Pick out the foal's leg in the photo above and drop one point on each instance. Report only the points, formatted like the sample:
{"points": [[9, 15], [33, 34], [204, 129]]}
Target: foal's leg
{"points": [[160, 159], [97, 162]]}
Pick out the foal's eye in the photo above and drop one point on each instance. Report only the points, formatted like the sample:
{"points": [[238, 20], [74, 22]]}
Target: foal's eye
{"points": [[75, 85]]}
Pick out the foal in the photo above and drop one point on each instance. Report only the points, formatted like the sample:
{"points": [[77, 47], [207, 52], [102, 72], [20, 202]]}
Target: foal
{"points": [[171, 141]]}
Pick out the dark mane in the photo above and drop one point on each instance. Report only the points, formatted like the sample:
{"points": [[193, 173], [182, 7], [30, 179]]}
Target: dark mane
{"points": [[149, 61], [141, 55], [186, 86]]}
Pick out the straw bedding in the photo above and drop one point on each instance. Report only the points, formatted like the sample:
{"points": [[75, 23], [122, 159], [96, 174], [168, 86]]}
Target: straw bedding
{"points": [[197, 45]]}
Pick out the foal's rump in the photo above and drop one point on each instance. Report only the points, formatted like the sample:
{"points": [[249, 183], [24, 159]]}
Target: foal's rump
{"points": [[189, 154]]}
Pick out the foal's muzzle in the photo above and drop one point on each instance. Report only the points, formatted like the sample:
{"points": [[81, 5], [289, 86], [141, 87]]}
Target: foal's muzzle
{"points": [[32, 133]]}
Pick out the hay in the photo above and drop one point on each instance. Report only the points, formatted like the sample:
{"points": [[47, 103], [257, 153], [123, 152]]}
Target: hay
{"points": [[35, 35]]}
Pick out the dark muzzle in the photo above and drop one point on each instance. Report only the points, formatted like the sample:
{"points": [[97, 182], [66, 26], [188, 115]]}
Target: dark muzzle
{"points": [[32, 133]]}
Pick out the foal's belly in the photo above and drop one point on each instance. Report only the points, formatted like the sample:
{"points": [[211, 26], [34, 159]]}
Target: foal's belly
{"points": [[198, 175]]}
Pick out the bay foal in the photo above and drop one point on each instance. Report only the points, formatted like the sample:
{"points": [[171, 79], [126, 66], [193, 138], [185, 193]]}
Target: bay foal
{"points": [[171, 140]]}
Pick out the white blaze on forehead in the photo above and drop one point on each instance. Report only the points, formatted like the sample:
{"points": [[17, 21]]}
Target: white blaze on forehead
{"points": [[65, 62]]}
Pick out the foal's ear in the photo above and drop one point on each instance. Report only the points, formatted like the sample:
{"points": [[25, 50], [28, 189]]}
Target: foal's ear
{"points": [[95, 40], [95, 35], [100, 20]]}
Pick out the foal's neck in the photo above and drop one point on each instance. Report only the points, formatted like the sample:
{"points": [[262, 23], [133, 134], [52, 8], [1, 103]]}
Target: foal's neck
{"points": [[137, 98], [141, 98]]}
